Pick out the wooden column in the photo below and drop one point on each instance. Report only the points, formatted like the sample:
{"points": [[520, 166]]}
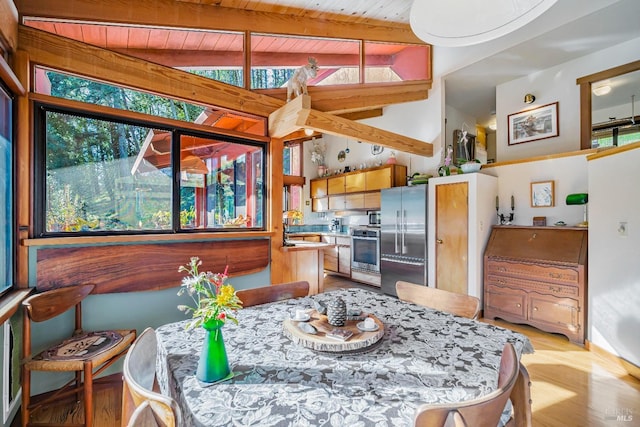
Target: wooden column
{"points": [[275, 208]]}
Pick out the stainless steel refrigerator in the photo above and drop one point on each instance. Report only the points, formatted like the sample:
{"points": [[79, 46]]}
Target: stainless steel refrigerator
{"points": [[403, 236]]}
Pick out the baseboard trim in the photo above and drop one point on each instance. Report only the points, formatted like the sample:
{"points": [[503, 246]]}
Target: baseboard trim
{"points": [[631, 368]]}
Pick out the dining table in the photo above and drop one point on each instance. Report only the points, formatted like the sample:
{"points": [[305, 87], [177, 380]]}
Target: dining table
{"points": [[423, 356]]}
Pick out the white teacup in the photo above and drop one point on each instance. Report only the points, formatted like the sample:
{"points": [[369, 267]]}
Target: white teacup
{"points": [[301, 313], [369, 323]]}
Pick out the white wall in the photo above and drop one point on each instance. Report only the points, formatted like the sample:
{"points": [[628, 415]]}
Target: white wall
{"points": [[614, 270], [569, 175], [557, 84]]}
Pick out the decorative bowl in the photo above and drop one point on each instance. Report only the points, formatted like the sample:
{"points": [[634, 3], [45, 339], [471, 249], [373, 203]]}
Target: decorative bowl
{"points": [[470, 167]]}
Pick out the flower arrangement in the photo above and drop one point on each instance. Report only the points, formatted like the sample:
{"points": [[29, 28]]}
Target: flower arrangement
{"points": [[318, 153], [214, 300]]}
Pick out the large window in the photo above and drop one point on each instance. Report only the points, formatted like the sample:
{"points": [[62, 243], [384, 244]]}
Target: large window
{"points": [[6, 192], [109, 175]]}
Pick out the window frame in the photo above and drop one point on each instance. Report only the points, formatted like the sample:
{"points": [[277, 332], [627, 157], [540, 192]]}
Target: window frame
{"points": [[11, 239], [40, 108]]}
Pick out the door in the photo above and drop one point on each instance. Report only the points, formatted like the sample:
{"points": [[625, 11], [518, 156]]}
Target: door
{"points": [[452, 229]]}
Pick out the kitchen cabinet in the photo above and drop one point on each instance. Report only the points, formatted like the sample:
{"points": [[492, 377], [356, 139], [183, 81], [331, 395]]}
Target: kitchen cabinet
{"points": [[461, 212], [337, 259], [319, 188], [537, 276], [358, 190], [354, 182], [335, 185]]}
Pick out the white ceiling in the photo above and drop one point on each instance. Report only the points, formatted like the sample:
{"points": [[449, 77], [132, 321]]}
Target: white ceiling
{"points": [[471, 88]]}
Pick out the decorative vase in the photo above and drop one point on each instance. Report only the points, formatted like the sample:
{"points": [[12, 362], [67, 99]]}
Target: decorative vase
{"points": [[213, 364], [322, 169], [337, 312]]}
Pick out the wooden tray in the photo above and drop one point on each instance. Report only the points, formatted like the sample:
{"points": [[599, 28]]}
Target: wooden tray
{"points": [[321, 342]]}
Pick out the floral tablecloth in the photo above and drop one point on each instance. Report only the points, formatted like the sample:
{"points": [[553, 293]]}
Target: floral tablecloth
{"points": [[425, 356]]}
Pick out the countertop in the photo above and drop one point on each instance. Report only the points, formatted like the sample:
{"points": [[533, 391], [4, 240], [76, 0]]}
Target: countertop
{"points": [[301, 245], [318, 233]]}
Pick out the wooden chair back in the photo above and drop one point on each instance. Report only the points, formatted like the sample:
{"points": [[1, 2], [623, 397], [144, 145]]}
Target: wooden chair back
{"points": [[140, 387], [439, 299], [482, 412], [75, 354], [143, 416], [279, 292]]}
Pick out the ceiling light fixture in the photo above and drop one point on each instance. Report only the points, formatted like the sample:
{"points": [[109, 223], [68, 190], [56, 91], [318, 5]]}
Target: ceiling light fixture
{"points": [[308, 131], [528, 98], [601, 90], [493, 126], [463, 22]]}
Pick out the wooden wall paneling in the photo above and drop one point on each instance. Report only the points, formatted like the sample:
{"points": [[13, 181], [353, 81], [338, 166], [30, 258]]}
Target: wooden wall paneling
{"points": [[145, 267], [192, 15], [23, 172], [80, 58]]}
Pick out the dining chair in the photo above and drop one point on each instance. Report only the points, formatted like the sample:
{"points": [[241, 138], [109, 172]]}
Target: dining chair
{"points": [[142, 403], [485, 411], [279, 292], [87, 354], [439, 299]]}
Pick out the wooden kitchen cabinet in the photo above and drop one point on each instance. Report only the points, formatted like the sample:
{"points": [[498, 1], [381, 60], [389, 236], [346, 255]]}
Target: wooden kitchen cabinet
{"points": [[385, 177], [538, 276], [354, 182], [358, 190], [319, 188], [335, 185], [337, 259]]}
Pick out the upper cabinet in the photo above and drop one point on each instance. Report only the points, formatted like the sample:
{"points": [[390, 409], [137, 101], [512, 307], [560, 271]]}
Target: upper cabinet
{"points": [[359, 190]]}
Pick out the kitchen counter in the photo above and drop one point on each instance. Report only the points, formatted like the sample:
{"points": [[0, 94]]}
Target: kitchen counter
{"points": [[305, 261], [318, 233], [302, 245]]}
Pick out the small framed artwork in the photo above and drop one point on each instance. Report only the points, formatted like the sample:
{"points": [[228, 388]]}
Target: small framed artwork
{"points": [[542, 194], [532, 125]]}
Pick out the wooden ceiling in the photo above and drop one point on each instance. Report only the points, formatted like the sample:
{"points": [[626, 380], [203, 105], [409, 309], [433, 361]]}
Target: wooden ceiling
{"points": [[356, 11]]}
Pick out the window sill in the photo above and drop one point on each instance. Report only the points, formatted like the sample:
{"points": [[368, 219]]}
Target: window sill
{"points": [[183, 237]]}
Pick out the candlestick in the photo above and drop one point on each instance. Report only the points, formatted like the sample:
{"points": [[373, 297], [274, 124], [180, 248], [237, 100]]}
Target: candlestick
{"points": [[512, 204], [497, 203]]}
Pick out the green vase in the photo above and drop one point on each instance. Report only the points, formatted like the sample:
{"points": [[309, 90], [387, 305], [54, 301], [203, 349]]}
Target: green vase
{"points": [[213, 364]]}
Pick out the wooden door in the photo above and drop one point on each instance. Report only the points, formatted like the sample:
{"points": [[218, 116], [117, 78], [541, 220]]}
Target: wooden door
{"points": [[452, 241]]}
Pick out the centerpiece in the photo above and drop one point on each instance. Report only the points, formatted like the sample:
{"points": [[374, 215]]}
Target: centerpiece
{"points": [[215, 303]]}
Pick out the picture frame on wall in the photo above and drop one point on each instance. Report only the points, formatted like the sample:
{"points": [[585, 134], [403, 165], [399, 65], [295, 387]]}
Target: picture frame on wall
{"points": [[534, 124], [542, 194]]}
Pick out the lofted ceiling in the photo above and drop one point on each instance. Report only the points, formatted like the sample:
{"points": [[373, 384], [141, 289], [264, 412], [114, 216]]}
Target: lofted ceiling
{"points": [[569, 30]]}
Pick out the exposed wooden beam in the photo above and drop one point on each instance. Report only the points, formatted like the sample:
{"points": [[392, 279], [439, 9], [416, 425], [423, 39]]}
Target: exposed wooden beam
{"points": [[80, 58], [349, 98], [334, 125], [361, 115], [297, 114], [285, 120], [193, 15], [9, 24]]}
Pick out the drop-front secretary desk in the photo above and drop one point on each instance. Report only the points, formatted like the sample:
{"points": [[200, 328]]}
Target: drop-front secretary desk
{"points": [[538, 276]]}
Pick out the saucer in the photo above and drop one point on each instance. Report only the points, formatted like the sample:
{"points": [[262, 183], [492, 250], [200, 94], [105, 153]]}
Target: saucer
{"points": [[301, 319], [363, 328]]}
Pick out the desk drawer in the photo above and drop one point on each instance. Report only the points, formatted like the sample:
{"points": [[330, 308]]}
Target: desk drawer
{"points": [[556, 312], [534, 271], [533, 286]]}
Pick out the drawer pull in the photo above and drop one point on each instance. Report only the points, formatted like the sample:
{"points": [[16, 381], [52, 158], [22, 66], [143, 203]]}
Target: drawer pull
{"points": [[439, 241], [518, 305], [501, 281], [555, 275], [535, 308], [555, 288], [501, 269]]}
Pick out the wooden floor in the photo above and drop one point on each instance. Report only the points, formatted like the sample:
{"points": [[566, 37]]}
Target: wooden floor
{"points": [[570, 386]]}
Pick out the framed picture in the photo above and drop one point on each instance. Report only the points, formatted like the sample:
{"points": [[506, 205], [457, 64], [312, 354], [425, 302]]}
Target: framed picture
{"points": [[542, 194], [531, 125]]}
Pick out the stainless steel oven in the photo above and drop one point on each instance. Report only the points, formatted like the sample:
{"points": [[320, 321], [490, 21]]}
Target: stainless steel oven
{"points": [[365, 249]]}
